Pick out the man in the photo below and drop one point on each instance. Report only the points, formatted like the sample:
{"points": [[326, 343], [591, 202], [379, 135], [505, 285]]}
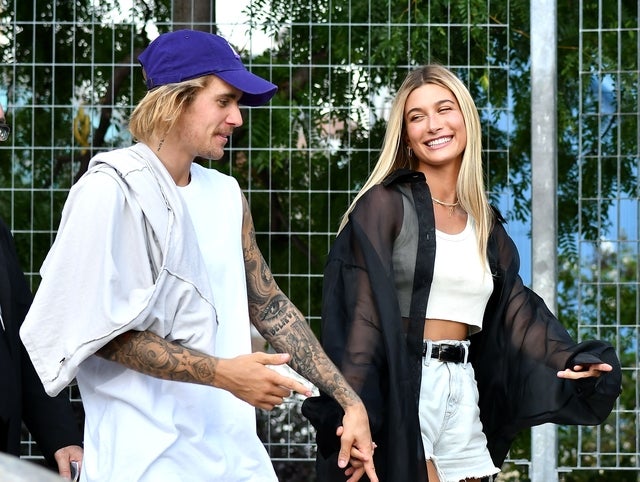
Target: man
{"points": [[153, 281], [22, 396]]}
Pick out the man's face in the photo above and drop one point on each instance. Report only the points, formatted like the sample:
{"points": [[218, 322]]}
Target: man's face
{"points": [[206, 125], [5, 130]]}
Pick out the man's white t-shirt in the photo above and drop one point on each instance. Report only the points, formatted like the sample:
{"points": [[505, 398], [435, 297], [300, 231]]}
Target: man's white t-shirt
{"points": [[140, 428]]}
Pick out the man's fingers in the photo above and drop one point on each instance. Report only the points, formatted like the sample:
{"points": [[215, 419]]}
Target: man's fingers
{"points": [[285, 386], [271, 403], [343, 455], [299, 387], [273, 361], [272, 358]]}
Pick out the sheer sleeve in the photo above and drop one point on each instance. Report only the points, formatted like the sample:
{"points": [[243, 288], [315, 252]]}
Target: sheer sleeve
{"points": [[358, 278], [363, 334], [531, 328], [517, 355]]}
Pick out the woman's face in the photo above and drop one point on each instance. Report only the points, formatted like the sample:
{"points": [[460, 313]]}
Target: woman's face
{"points": [[435, 128]]}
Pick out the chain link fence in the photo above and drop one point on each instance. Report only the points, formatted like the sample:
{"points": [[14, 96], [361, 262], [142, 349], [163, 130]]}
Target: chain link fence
{"points": [[70, 79]]}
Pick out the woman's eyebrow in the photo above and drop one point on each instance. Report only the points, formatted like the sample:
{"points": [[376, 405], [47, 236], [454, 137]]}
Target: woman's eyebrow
{"points": [[437, 104]]}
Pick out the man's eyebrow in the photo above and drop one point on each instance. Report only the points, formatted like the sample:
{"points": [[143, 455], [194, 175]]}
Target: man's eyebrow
{"points": [[229, 95]]}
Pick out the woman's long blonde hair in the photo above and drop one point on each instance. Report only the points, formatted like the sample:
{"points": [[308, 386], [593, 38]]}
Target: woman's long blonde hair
{"points": [[161, 107], [394, 155]]}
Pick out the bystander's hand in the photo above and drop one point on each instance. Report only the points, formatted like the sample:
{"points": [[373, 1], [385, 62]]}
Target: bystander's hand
{"points": [[65, 456]]}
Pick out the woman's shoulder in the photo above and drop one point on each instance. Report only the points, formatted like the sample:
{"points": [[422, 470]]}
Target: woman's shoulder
{"points": [[501, 246], [498, 222], [394, 185], [403, 176], [379, 197], [381, 209]]}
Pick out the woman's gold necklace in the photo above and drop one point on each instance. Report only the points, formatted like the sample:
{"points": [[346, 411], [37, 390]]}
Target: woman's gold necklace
{"points": [[451, 206]]}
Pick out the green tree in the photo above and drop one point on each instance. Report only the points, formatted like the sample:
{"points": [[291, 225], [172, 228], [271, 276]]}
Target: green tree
{"points": [[337, 63], [71, 82], [602, 301], [347, 54]]}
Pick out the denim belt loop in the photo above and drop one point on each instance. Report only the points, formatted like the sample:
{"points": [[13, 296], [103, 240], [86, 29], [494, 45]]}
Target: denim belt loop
{"points": [[427, 346]]}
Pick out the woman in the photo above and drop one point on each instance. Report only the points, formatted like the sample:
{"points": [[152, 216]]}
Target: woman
{"points": [[422, 297]]}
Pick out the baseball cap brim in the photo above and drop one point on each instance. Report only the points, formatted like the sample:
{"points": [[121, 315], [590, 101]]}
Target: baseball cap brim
{"points": [[255, 90]]}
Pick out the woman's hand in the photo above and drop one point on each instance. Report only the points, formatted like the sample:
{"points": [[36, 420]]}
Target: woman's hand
{"points": [[585, 371]]}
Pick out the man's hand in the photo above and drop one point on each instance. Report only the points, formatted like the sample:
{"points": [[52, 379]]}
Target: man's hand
{"points": [[250, 379], [247, 376], [585, 371], [356, 445], [64, 456]]}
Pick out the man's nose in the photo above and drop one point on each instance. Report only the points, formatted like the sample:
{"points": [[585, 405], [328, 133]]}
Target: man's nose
{"points": [[235, 116]]}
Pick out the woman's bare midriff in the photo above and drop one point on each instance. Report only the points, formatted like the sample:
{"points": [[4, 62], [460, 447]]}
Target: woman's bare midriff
{"points": [[444, 330]]}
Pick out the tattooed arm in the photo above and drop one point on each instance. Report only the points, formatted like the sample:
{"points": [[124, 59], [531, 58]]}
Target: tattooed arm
{"points": [[285, 328], [247, 376]]}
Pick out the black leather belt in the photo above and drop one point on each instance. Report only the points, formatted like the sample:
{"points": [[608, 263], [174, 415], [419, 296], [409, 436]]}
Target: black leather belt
{"points": [[446, 352]]}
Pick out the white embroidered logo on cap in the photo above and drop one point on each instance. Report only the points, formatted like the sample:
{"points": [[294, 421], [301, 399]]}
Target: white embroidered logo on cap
{"points": [[233, 50]]}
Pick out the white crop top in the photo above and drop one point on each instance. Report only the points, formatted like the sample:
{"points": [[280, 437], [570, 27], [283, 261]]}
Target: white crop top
{"points": [[462, 282]]}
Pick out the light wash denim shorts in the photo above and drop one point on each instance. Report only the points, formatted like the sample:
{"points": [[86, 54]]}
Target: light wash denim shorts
{"points": [[450, 420]]}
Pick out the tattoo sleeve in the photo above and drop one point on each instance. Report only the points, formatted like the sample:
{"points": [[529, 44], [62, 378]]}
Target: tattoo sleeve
{"points": [[284, 326], [148, 353]]}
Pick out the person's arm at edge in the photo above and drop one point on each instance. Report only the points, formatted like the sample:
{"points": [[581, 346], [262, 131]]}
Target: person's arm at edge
{"points": [[49, 419], [285, 328]]}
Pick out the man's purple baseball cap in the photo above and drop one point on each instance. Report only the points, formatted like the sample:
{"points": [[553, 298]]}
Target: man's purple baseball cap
{"points": [[188, 54]]}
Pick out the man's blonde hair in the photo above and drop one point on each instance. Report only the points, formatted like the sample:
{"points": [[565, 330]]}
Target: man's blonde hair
{"points": [[161, 107]]}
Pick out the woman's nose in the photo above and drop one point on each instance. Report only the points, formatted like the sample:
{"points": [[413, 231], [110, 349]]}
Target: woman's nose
{"points": [[434, 124]]}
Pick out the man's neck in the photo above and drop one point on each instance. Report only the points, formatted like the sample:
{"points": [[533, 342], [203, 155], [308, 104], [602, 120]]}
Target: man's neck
{"points": [[176, 164]]}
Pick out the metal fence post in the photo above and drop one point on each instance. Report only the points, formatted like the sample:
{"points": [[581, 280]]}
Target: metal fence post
{"points": [[544, 458]]}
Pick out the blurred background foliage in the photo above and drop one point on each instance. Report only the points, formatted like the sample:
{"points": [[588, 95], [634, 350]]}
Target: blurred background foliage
{"points": [[71, 82]]}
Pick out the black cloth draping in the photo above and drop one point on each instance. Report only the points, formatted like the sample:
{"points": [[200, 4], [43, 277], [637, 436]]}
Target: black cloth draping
{"points": [[516, 356], [22, 397]]}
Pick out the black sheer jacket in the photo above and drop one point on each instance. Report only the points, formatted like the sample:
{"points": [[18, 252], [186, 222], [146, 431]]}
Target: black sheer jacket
{"points": [[515, 357]]}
